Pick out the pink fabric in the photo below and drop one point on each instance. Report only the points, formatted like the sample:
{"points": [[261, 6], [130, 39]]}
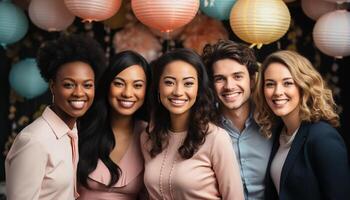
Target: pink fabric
{"points": [[39, 163], [75, 158], [212, 173], [129, 184]]}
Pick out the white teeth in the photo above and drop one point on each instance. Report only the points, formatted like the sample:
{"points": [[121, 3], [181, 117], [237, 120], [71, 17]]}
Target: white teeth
{"points": [[280, 102], [178, 102], [77, 104], [127, 104]]}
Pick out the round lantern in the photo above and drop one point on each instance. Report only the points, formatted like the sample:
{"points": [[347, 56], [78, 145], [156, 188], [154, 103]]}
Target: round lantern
{"points": [[331, 33], [13, 23], [93, 10], [260, 21], [315, 10], [218, 9], [165, 15], [26, 80], [50, 15]]}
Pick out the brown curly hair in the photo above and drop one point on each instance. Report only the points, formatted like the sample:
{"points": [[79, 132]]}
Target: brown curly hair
{"points": [[316, 102]]}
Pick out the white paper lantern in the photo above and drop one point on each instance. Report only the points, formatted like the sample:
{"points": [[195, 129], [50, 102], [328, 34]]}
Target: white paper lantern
{"points": [[316, 8], [331, 33], [50, 15]]}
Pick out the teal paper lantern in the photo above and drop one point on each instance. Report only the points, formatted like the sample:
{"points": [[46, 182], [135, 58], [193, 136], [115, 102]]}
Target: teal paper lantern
{"points": [[13, 23], [26, 80], [218, 9]]}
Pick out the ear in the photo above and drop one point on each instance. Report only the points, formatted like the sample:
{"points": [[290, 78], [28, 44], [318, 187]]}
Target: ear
{"points": [[51, 85]]}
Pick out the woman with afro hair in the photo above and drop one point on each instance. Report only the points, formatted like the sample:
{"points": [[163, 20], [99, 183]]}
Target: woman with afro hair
{"points": [[41, 163]]}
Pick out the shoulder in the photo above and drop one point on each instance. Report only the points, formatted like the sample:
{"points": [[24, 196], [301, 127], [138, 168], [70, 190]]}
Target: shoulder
{"points": [[321, 129], [217, 134], [37, 130]]}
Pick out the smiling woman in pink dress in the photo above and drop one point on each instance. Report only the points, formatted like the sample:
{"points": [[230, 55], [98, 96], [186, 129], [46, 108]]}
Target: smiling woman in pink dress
{"points": [[41, 164], [186, 156], [111, 163]]}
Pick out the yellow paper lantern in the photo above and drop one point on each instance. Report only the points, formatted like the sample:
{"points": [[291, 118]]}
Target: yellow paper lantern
{"points": [[260, 21]]}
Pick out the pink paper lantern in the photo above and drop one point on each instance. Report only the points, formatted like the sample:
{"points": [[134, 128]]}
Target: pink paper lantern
{"points": [[51, 15], [165, 15], [93, 10], [316, 8]]}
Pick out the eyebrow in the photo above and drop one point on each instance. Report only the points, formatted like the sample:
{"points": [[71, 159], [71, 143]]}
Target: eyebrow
{"points": [[288, 78], [73, 80], [121, 79], [171, 77], [235, 73]]}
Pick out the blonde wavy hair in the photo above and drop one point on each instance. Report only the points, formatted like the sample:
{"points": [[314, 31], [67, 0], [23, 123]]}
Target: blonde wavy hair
{"points": [[316, 102]]}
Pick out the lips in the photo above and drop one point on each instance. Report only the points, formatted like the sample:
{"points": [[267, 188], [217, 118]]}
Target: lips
{"points": [[230, 96], [77, 104], [126, 104], [178, 102], [279, 102]]}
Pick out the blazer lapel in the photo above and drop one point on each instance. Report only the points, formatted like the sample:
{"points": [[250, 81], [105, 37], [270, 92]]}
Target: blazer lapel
{"points": [[297, 144]]}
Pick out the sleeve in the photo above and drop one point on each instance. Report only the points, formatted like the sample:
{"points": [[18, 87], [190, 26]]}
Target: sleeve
{"points": [[225, 167], [25, 168], [330, 162]]}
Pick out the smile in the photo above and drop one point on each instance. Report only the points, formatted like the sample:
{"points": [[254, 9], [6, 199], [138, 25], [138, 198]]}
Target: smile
{"points": [[178, 102], [77, 104], [280, 102], [126, 104]]}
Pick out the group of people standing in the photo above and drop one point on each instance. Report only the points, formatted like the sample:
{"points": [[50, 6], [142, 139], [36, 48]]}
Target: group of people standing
{"points": [[216, 126]]}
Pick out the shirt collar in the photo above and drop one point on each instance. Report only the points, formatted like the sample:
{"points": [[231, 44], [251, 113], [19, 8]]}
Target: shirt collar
{"points": [[58, 126]]}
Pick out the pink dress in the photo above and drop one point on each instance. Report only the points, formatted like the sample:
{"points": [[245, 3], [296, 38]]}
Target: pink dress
{"points": [[212, 172], [130, 182]]}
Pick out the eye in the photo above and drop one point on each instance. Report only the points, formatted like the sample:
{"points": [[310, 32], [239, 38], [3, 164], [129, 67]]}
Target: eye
{"points": [[118, 84], [169, 83], [189, 84], [88, 85], [238, 77], [218, 79], [269, 84], [288, 83], [68, 85], [138, 85]]}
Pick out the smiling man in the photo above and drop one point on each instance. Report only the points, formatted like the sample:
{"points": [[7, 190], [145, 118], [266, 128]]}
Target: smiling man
{"points": [[232, 68]]}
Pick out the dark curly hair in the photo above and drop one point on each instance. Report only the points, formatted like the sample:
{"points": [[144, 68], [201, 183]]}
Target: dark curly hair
{"points": [[201, 111], [96, 138], [69, 48], [226, 49]]}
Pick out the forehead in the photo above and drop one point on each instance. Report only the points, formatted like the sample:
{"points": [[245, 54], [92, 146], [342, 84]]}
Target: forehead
{"points": [[228, 66], [132, 72], [75, 70], [179, 68], [277, 71]]}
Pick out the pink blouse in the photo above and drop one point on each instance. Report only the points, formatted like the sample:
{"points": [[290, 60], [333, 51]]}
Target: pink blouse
{"points": [[130, 182], [212, 172]]}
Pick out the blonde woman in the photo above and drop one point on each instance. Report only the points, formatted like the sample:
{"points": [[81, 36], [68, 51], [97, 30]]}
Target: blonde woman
{"points": [[309, 158]]}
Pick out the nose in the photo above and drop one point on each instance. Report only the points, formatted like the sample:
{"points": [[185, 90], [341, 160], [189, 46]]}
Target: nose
{"points": [[127, 92], [229, 83], [178, 90], [78, 91], [278, 90]]}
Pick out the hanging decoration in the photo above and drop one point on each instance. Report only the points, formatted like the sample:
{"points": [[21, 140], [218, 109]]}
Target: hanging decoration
{"points": [[201, 31], [138, 38], [50, 15], [13, 23], [165, 15], [218, 9], [331, 33], [93, 10], [260, 21], [26, 80], [315, 10]]}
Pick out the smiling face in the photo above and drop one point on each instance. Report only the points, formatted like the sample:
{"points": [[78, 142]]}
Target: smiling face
{"points": [[232, 84], [127, 91], [178, 87], [73, 90], [281, 92]]}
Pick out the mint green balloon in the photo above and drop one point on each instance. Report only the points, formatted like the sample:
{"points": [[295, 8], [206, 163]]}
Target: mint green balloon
{"points": [[218, 9], [26, 80], [13, 23]]}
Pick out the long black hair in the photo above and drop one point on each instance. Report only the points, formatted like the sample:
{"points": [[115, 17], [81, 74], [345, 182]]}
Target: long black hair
{"points": [[96, 139], [201, 111]]}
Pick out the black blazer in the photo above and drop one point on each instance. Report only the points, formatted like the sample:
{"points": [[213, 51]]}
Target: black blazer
{"points": [[316, 166]]}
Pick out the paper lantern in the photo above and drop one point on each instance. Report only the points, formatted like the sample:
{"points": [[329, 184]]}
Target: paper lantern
{"points": [[93, 10], [314, 10], [218, 9], [13, 23], [260, 21], [331, 33], [165, 15], [26, 80], [51, 15]]}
